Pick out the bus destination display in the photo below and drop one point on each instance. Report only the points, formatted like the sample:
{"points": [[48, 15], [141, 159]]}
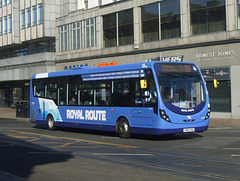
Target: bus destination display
{"points": [[177, 68]]}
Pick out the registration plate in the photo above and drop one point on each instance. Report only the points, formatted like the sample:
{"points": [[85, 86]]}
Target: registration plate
{"points": [[187, 130]]}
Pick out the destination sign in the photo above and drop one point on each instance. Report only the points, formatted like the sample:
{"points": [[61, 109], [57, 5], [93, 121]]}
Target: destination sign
{"points": [[114, 75], [177, 68]]}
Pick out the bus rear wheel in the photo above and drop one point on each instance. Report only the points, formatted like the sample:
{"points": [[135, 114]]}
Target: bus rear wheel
{"points": [[50, 123], [123, 128]]}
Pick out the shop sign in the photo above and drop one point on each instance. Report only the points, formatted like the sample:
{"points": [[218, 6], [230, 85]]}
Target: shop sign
{"points": [[208, 73], [107, 64], [216, 73], [71, 67], [215, 55], [178, 58], [222, 73]]}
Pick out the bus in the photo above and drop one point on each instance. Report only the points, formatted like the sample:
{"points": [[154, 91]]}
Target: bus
{"points": [[143, 98]]}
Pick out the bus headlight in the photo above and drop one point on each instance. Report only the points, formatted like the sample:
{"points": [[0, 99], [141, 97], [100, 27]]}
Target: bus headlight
{"points": [[208, 114], [164, 115]]}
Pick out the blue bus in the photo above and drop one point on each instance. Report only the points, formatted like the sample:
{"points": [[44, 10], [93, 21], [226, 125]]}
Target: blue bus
{"points": [[144, 98]]}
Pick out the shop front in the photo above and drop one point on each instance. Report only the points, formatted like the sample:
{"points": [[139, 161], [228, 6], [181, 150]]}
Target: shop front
{"points": [[13, 92], [220, 90]]}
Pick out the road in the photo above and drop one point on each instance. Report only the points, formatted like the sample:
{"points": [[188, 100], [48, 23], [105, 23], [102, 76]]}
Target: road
{"points": [[30, 152]]}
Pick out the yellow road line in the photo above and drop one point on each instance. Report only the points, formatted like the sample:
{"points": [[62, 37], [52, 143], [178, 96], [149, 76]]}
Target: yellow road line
{"points": [[64, 145], [16, 136], [46, 143], [78, 147], [75, 139], [35, 139]]}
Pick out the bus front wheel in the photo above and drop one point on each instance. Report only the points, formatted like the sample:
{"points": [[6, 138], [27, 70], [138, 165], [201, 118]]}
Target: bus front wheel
{"points": [[123, 128], [50, 123]]}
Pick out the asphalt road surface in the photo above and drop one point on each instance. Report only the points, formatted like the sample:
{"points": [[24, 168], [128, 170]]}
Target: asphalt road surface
{"points": [[30, 152]]}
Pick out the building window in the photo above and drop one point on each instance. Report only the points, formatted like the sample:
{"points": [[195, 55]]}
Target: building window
{"points": [[65, 31], [9, 1], [74, 39], [93, 32], [40, 14], [170, 19], [26, 49], [150, 22], [23, 19], [5, 25], [1, 27], [34, 15], [109, 30], [86, 4], [4, 2], [87, 33], [28, 17], [161, 20], [79, 35], [118, 28], [125, 27], [207, 16], [0, 3], [10, 23], [63, 38], [238, 16], [90, 32]]}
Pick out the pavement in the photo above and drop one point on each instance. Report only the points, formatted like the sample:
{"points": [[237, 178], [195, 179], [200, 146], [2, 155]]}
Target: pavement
{"points": [[8, 113]]}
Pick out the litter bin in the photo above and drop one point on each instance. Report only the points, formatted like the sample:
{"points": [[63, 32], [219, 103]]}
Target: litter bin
{"points": [[19, 111], [23, 109]]}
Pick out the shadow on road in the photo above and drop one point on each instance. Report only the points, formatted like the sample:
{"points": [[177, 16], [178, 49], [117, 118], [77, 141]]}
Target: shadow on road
{"points": [[18, 158]]}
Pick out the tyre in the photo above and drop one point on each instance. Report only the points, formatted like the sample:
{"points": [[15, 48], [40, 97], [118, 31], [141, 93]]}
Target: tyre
{"points": [[50, 123], [123, 128]]}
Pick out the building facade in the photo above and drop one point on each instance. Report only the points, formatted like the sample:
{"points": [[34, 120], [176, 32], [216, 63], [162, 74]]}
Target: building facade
{"points": [[54, 35], [205, 32], [27, 42]]}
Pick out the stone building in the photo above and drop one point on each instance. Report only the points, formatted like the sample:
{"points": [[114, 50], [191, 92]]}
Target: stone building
{"points": [[80, 32]]}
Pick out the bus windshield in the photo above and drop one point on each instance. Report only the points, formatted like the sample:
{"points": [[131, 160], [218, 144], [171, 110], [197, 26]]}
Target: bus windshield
{"points": [[182, 89]]}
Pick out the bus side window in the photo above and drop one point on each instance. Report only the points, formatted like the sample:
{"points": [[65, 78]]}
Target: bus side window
{"points": [[103, 94], [123, 93], [51, 91], [145, 95], [39, 88], [140, 94], [62, 92], [86, 93], [73, 91]]}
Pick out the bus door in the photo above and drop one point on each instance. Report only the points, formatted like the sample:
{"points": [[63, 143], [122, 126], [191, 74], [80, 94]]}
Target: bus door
{"points": [[37, 103], [145, 103]]}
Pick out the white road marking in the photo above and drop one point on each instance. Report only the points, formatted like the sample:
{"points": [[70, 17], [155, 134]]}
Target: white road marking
{"points": [[235, 155], [231, 148]]}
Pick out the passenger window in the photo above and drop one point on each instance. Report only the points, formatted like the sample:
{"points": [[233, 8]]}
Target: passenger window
{"points": [[103, 94], [123, 93], [51, 91], [87, 97], [145, 95], [39, 88]]}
